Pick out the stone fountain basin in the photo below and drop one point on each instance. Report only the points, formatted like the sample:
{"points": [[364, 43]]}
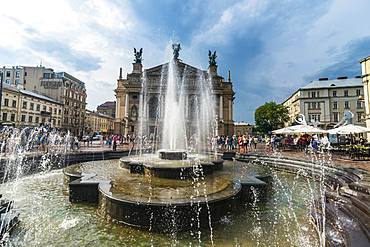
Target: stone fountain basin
{"points": [[174, 169], [151, 202]]}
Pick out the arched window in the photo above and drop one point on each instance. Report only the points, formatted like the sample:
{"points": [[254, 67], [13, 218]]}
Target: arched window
{"points": [[153, 107], [134, 113]]}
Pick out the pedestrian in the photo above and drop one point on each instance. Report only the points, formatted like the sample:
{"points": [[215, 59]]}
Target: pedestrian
{"points": [[115, 137]]}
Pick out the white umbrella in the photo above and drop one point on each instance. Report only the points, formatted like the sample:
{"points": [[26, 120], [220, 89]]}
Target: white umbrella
{"points": [[301, 128], [349, 129]]}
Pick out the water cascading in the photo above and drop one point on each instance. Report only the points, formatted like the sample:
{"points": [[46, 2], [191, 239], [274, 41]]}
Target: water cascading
{"points": [[174, 132]]}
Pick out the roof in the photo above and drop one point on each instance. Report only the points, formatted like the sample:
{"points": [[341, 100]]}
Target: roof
{"points": [[337, 83], [90, 112], [40, 96], [29, 93], [108, 104]]}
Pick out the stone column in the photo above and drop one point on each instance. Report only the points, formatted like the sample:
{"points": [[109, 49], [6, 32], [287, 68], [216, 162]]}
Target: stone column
{"points": [[126, 105], [230, 110], [221, 108]]}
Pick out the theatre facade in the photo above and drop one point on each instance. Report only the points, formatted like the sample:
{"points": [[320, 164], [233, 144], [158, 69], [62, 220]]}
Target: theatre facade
{"points": [[129, 97]]}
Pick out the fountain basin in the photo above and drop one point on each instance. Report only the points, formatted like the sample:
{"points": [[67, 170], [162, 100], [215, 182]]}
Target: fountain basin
{"points": [[173, 154]]}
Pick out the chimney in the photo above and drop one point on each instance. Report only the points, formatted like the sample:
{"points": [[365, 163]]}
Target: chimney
{"points": [[120, 73], [229, 77]]}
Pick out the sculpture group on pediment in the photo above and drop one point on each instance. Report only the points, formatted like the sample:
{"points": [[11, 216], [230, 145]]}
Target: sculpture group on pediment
{"points": [[138, 55]]}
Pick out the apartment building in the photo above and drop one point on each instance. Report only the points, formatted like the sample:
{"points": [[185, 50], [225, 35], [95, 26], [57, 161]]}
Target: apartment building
{"points": [[21, 108], [324, 101]]}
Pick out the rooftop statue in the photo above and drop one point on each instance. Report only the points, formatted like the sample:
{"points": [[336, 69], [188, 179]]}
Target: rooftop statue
{"points": [[212, 58], [138, 55], [176, 50]]}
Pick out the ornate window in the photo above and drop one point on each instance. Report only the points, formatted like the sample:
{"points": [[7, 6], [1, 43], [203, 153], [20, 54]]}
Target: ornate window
{"points": [[153, 107]]}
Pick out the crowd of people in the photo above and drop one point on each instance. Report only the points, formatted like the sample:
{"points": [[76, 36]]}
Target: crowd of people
{"points": [[241, 143]]}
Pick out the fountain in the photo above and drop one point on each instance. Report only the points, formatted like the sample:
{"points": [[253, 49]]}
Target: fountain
{"points": [[186, 184], [176, 192]]}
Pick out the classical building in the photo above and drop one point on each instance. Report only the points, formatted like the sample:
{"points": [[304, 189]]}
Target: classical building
{"points": [[21, 108], [243, 128], [107, 108], [129, 89], [325, 101], [59, 86], [98, 122], [365, 67]]}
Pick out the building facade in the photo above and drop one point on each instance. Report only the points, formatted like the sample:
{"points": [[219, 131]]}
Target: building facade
{"points": [[324, 102], [98, 122], [21, 108], [129, 89], [243, 128], [107, 108], [59, 86], [365, 68]]}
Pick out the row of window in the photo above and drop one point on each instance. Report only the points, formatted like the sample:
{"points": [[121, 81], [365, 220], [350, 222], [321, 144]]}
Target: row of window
{"points": [[316, 117], [336, 117], [347, 105], [17, 73], [23, 118], [32, 106], [316, 94]]}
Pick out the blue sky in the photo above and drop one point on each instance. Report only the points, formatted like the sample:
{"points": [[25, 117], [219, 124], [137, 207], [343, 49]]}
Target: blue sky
{"points": [[271, 47]]}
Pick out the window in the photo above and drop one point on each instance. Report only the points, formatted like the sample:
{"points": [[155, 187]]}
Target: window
{"points": [[7, 81], [17, 74], [313, 94], [25, 73], [16, 81], [37, 120], [318, 93], [44, 108], [55, 111], [23, 118], [31, 106], [37, 107], [345, 93], [12, 117], [6, 102], [24, 105], [359, 116], [43, 120], [335, 105], [335, 117], [358, 92], [359, 104], [334, 93], [60, 111], [346, 104], [153, 107], [30, 118], [7, 73], [5, 116], [50, 110], [14, 103]]}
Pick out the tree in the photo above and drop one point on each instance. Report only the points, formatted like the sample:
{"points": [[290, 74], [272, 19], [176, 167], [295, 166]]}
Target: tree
{"points": [[270, 116]]}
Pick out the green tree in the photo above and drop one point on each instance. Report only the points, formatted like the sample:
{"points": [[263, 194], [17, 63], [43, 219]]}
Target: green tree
{"points": [[270, 116]]}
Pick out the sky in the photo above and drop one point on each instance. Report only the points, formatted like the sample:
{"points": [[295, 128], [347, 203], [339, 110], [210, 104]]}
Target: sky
{"points": [[271, 47]]}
